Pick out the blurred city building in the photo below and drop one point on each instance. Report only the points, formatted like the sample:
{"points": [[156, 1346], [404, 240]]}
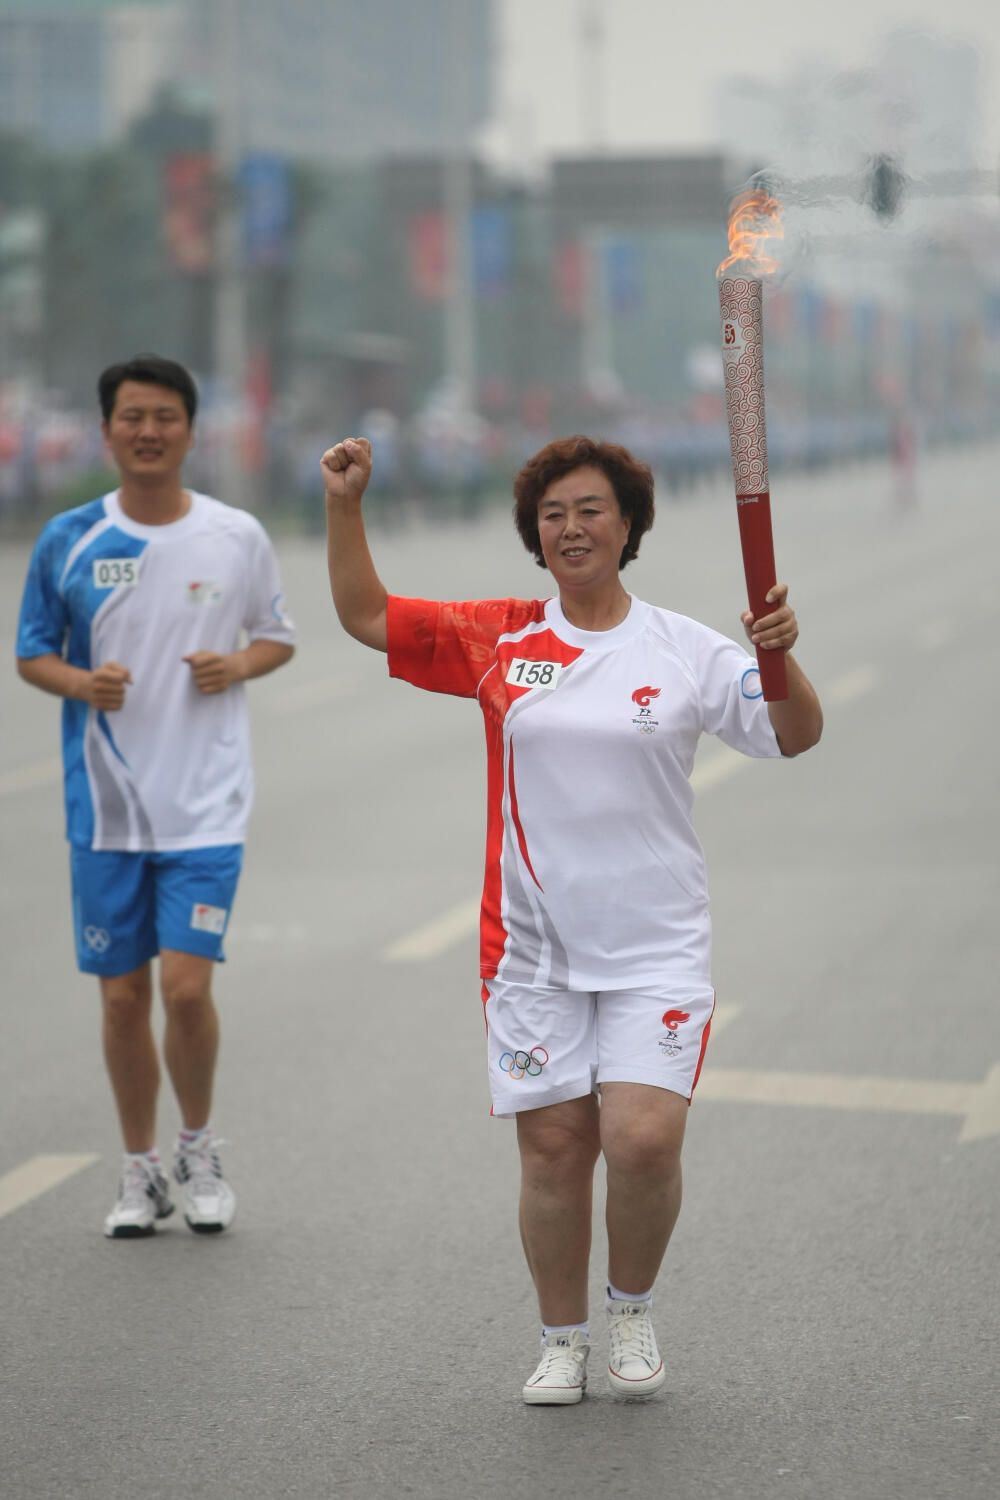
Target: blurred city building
{"points": [[297, 210], [75, 73], [319, 80], [350, 80]]}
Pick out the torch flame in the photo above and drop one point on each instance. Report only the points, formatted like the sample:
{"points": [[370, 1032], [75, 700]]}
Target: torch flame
{"points": [[754, 216]]}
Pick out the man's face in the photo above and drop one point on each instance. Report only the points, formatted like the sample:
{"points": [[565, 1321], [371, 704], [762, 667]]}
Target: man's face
{"points": [[148, 431]]}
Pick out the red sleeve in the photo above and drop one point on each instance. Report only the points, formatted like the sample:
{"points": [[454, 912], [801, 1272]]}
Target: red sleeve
{"points": [[447, 648]]}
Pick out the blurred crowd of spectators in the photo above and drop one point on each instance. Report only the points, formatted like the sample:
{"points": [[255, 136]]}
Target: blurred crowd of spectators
{"points": [[55, 457]]}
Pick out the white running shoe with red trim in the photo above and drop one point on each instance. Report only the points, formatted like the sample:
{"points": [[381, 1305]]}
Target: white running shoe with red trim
{"points": [[143, 1197], [209, 1201]]}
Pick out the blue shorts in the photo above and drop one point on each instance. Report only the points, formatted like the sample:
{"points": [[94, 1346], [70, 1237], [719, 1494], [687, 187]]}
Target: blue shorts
{"points": [[126, 907]]}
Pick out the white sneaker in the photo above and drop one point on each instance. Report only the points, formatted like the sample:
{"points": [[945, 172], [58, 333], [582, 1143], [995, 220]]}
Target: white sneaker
{"points": [[143, 1197], [561, 1377], [635, 1369], [209, 1201]]}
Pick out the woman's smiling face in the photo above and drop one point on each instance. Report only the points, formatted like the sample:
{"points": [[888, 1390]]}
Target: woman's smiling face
{"points": [[581, 529]]}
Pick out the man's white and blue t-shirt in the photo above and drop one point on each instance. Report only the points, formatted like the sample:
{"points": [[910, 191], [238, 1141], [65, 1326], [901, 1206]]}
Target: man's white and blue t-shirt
{"points": [[171, 769]]}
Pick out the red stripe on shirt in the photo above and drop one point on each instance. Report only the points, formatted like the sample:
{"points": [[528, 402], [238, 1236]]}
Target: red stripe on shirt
{"points": [[521, 840]]}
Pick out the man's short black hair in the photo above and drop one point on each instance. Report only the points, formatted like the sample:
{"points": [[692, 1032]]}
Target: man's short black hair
{"points": [[151, 369]]}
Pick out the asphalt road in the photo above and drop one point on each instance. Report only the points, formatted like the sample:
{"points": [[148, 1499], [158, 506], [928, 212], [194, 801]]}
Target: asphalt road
{"points": [[828, 1308]]}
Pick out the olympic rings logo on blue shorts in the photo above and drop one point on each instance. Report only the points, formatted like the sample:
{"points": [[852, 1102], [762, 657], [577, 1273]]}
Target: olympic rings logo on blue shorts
{"points": [[523, 1064]]}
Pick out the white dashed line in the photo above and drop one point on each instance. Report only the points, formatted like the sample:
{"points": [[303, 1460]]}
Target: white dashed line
{"points": [[436, 937], [23, 778], [851, 685], [976, 1104], [37, 1176], [718, 767], [723, 1015]]}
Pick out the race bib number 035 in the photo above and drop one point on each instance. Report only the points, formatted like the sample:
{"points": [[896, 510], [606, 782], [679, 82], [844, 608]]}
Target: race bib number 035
{"points": [[529, 674], [109, 572]]}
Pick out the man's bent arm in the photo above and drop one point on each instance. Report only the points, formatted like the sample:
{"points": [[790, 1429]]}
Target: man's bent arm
{"points": [[103, 688], [263, 656], [214, 671], [53, 675]]}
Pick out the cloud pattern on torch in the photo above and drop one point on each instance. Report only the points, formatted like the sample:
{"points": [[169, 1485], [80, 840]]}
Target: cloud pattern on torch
{"points": [[740, 306]]}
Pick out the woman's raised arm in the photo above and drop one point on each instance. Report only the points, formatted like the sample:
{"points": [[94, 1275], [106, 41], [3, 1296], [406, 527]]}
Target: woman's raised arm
{"points": [[359, 595]]}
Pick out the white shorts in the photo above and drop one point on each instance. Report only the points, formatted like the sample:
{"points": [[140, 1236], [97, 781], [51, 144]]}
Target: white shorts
{"points": [[547, 1045]]}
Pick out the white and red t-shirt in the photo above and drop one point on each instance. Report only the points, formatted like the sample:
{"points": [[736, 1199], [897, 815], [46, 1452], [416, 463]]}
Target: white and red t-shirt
{"points": [[594, 878]]}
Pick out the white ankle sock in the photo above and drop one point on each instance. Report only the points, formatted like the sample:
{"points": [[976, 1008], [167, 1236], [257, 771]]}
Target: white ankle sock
{"points": [[614, 1295], [566, 1328], [150, 1158], [188, 1137]]}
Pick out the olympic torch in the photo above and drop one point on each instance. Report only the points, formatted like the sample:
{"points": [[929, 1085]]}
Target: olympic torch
{"points": [[753, 217]]}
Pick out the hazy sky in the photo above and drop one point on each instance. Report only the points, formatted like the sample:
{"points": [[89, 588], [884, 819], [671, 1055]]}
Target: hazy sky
{"points": [[661, 60]]}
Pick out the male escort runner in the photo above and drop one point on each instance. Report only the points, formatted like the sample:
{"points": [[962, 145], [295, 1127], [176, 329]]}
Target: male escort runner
{"points": [[134, 613]]}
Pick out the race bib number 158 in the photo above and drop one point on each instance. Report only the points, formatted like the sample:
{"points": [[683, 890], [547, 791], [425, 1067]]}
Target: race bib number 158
{"points": [[529, 674], [109, 572]]}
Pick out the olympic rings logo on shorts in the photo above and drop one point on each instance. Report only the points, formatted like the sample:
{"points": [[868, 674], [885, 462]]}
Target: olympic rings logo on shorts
{"points": [[521, 1064]]}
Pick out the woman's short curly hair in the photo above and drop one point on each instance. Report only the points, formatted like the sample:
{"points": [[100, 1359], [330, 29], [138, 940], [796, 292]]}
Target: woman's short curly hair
{"points": [[631, 480]]}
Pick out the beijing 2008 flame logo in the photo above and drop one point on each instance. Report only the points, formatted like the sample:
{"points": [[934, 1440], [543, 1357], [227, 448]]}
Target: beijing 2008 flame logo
{"points": [[643, 696], [674, 1018]]}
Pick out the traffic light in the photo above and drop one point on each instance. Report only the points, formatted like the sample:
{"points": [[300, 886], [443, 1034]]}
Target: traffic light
{"points": [[886, 185]]}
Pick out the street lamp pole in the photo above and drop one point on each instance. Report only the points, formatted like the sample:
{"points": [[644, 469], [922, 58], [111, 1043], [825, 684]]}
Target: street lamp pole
{"points": [[459, 326], [592, 90], [230, 319]]}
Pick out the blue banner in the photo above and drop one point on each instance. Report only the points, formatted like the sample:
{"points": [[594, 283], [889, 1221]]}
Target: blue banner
{"points": [[623, 268], [492, 252], [266, 187]]}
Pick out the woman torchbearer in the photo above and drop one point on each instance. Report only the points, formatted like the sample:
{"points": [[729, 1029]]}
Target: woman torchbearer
{"points": [[595, 935]]}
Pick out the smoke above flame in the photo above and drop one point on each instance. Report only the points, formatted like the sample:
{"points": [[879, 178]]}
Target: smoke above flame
{"points": [[753, 216]]}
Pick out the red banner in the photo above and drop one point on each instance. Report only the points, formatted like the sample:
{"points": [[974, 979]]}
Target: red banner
{"points": [[429, 258], [189, 211], [571, 279]]}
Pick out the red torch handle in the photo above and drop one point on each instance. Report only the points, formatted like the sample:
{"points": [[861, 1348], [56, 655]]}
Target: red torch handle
{"points": [[754, 513]]}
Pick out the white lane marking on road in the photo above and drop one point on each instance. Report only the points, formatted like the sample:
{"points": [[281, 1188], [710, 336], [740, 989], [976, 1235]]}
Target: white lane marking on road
{"points": [[977, 1104], [23, 778], [982, 1118], [436, 937], [37, 1176], [718, 767], [723, 1015], [851, 685]]}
